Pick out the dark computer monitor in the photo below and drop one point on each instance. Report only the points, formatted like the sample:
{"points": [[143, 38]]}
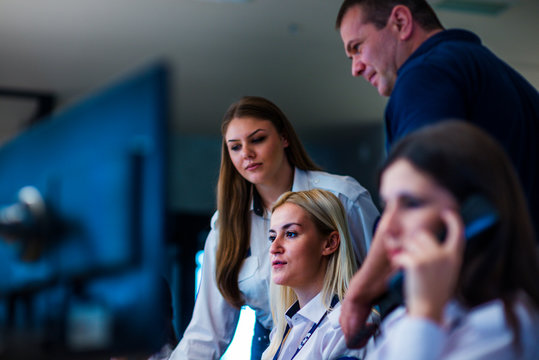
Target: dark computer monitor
{"points": [[82, 226]]}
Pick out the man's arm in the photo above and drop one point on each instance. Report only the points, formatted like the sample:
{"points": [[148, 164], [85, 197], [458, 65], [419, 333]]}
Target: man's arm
{"points": [[367, 285]]}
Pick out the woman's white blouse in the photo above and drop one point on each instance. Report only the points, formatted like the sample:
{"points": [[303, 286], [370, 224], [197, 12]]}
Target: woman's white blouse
{"points": [[214, 320], [479, 333], [326, 342]]}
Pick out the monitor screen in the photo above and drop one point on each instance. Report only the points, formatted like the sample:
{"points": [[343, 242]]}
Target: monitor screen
{"points": [[82, 226]]}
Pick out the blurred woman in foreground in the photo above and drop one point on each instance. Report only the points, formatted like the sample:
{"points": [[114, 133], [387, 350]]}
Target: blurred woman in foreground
{"points": [[466, 298]]}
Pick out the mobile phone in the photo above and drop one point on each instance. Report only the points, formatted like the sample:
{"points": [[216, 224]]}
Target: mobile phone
{"points": [[478, 215]]}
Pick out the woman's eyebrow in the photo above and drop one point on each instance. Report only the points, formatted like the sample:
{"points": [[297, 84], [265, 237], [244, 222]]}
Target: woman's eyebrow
{"points": [[250, 135], [286, 226]]}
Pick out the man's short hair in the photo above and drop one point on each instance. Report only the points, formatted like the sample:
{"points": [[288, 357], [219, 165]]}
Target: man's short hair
{"points": [[377, 12]]}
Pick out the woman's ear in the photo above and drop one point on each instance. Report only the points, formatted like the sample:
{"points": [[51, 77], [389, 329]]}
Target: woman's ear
{"points": [[332, 243], [284, 141]]}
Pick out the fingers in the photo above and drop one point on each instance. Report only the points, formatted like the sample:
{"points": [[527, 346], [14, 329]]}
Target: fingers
{"points": [[404, 260], [455, 239]]}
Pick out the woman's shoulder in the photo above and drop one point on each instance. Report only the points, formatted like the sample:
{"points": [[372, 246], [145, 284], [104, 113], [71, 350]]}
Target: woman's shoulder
{"points": [[214, 218], [338, 184], [492, 314], [490, 319], [528, 317]]}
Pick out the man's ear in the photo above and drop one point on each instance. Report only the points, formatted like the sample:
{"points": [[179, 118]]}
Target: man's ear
{"points": [[331, 243], [402, 21]]}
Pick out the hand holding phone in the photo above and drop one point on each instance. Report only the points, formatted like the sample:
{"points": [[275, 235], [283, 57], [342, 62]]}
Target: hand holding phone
{"points": [[478, 215]]}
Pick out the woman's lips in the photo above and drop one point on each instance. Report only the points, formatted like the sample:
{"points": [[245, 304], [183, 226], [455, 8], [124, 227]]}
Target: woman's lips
{"points": [[278, 264], [251, 167]]}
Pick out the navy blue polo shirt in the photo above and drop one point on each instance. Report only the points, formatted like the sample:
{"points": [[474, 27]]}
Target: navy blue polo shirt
{"points": [[453, 76]]}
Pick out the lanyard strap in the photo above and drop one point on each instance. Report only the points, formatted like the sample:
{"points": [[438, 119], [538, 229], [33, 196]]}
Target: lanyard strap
{"points": [[286, 332], [334, 301]]}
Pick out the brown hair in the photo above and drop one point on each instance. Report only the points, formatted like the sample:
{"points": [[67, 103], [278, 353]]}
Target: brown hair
{"points": [[377, 12], [234, 193], [465, 160]]}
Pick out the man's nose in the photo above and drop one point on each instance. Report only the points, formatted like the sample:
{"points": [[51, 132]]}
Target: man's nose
{"points": [[357, 66]]}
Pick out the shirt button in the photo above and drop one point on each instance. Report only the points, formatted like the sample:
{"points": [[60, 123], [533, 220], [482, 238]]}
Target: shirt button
{"points": [[316, 181]]}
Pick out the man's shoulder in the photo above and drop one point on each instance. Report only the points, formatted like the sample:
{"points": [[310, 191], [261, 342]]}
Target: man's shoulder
{"points": [[454, 39], [443, 52]]}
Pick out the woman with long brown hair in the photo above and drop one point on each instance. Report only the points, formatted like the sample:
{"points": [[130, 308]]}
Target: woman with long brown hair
{"points": [[456, 223], [261, 159]]}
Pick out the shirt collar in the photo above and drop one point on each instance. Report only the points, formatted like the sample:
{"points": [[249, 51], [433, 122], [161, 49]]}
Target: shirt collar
{"points": [[301, 180], [445, 35], [257, 205], [312, 311]]}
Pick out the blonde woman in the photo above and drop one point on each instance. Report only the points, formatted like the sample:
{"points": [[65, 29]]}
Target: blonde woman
{"points": [[312, 261]]}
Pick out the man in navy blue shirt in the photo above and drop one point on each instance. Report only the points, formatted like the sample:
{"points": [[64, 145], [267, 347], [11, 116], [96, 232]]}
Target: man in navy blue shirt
{"points": [[431, 74]]}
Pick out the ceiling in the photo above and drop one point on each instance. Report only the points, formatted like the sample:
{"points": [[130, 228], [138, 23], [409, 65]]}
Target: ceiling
{"points": [[286, 50]]}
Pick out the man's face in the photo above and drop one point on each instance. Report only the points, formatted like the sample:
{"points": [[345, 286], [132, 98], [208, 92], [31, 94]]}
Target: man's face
{"points": [[373, 51]]}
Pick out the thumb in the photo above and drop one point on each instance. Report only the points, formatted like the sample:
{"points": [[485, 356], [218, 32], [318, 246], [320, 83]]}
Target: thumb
{"points": [[455, 239]]}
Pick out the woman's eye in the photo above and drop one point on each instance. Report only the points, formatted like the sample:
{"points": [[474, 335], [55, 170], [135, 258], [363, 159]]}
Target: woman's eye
{"points": [[259, 139], [412, 203], [291, 234], [271, 238], [235, 148]]}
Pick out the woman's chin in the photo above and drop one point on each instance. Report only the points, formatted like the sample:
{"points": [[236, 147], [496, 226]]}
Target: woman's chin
{"points": [[279, 281]]}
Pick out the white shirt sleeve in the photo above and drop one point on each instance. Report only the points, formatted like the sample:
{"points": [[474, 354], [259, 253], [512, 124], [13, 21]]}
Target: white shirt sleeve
{"points": [[214, 320], [481, 333], [411, 338], [361, 214]]}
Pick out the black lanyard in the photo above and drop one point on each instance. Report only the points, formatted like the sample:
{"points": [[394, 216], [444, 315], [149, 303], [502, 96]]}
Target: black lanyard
{"points": [[309, 334]]}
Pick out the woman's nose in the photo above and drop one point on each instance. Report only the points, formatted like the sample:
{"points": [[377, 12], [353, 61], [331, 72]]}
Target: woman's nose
{"points": [[390, 223], [275, 247], [247, 152]]}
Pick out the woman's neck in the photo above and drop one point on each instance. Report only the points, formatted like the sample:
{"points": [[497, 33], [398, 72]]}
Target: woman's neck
{"points": [[306, 295], [269, 193], [313, 288]]}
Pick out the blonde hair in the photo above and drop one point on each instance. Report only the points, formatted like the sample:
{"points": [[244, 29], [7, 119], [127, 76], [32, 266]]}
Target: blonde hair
{"points": [[327, 213], [234, 193]]}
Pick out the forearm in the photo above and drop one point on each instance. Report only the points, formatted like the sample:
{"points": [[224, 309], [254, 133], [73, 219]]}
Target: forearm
{"points": [[214, 320], [371, 280], [365, 288]]}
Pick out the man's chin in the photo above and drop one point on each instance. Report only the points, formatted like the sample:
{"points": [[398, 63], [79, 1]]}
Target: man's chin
{"points": [[384, 88], [384, 91]]}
